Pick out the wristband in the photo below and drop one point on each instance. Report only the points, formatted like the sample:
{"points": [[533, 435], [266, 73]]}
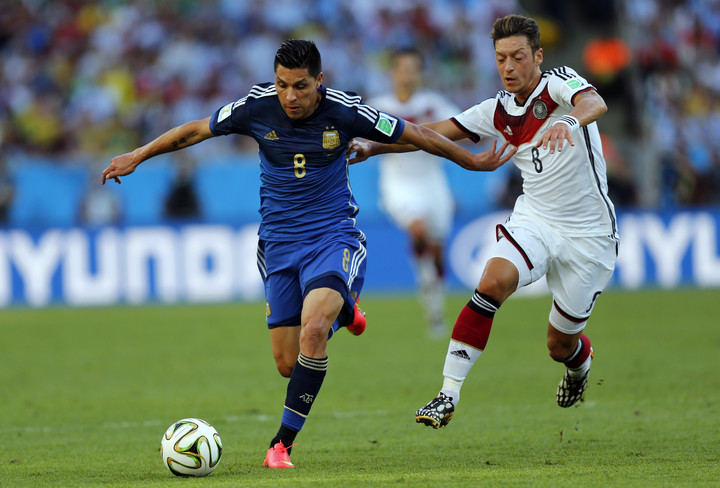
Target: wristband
{"points": [[570, 121]]}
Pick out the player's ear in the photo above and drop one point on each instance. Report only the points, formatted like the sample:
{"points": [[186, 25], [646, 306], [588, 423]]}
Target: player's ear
{"points": [[538, 57], [318, 80]]}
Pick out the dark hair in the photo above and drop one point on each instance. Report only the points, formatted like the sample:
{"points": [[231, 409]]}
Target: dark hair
{"points": [[408, 51], [517, 25], [297, 53]]}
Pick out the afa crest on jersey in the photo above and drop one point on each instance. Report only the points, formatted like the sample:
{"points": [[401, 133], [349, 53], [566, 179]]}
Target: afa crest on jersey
{"points": [[331, 139]]}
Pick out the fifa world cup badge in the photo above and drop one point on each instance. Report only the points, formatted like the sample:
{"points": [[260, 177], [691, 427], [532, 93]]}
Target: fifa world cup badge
{"points": [[331, 139]]}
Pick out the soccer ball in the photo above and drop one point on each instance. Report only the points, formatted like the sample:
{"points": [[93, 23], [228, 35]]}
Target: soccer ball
{"points": [[191, 447]]}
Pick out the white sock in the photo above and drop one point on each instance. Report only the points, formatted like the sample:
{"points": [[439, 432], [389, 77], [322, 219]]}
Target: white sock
{"points": [[582, 369], [451, 389], [425, 271], [459, 360], [432, 296]]}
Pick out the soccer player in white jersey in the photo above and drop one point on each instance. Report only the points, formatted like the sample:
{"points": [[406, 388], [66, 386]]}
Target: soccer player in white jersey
{"points": [[414, 190], [563, 225]]}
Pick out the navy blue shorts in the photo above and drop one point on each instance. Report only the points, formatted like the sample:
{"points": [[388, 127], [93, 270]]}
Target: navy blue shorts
{"points": [[290, 270]]}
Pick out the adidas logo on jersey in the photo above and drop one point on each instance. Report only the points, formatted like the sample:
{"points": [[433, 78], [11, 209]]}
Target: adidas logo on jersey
{"points": [[461, 353], [508, 130], [271, 136]]}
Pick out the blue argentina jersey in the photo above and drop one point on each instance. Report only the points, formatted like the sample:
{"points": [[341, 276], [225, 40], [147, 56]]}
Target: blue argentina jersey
{"points": [[305, 190]]}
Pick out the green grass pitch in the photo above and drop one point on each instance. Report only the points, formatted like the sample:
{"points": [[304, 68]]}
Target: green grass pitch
{"points": [[86, 394]]}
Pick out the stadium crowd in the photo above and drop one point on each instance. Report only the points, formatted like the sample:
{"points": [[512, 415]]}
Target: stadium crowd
{"points": [[97, 77], [677, 54], [80, 81]]}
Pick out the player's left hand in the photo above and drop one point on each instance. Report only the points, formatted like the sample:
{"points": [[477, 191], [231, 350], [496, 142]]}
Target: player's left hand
{"points": [[493, 158], [555, 137]]}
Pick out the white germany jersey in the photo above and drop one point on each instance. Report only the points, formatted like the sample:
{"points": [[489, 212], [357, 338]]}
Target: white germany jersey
{"points": [[421, 107], [567, 189]]}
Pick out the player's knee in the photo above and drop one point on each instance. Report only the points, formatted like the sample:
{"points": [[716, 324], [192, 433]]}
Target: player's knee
{"points": [[314, 334], [285, 370], [285, 367], [499, 279], [418, 231], [496, 287]]}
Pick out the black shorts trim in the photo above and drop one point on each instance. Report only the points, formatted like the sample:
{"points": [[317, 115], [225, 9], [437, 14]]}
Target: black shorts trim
{"points": [[291, 322], [329, 280]]}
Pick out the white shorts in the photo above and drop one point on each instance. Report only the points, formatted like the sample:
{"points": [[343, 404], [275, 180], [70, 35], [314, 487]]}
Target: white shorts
{"points": [[577, 268], [426, 199]]}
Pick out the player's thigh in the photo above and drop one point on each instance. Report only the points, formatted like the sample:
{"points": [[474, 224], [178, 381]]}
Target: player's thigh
{"points": [[426, 201], [341, 255], [525, 244], [283, 293], [338, 262], [577, 276], [320, 309], [440, 214]]}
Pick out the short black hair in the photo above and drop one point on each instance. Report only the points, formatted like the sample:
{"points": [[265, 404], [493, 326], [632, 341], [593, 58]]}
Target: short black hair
{"points": [[298, 53], [517, 25], [408, 51]]}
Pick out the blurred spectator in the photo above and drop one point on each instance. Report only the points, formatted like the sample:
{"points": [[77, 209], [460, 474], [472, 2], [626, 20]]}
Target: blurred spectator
{"points": [[100, 206], [621, 182], [606, 60], [182, 201], [7, 191]]}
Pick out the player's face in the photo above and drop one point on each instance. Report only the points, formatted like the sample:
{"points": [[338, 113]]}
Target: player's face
{"points": [[297, 91], [519, 69], [407, 71]]}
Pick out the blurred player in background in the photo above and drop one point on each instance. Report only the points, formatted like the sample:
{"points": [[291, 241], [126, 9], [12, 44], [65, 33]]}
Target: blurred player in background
{"points": [[563, 225], [311, 254], [414, 190]]}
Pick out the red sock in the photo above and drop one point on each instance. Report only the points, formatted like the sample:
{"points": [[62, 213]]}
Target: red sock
{"points": [[475, 321], [580, 355]]}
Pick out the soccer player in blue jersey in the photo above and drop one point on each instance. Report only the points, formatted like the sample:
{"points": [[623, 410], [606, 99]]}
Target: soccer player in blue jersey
{"points": [[311, 254]]}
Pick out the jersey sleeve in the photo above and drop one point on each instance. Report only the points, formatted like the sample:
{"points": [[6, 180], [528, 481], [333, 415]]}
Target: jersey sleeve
{"points": [[378, 126], [477, 121], [233, 118], [564, 83]]}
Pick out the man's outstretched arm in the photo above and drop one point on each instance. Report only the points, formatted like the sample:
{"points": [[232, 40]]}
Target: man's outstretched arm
{"points": [[435, 138], [179, 137]]}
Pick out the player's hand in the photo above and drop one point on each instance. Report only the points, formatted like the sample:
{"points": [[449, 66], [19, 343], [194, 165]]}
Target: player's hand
{"points": [[555, 137], [361, 149], [121, 165], [492, 159]]}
